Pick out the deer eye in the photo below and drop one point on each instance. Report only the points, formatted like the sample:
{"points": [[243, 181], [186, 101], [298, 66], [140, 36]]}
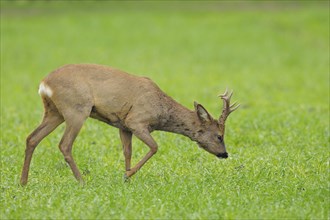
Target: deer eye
{"points": [[220, 138]]}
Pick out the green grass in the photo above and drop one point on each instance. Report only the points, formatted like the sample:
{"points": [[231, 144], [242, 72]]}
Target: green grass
{"points": [[274, 55]]}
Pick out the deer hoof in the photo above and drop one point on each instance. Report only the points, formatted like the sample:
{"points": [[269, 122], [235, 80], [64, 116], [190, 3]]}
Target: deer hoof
{"points": [[126, 178], [81, 183]]}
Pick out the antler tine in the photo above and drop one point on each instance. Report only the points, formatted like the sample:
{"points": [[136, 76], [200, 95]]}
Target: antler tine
{"points": [[224, 94], [230, 95], [234, 106]]}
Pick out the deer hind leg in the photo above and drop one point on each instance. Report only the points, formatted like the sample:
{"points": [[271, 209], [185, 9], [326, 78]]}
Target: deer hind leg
{"points": [[73, 126], [145, 137], [51, 120], [126, 140]]}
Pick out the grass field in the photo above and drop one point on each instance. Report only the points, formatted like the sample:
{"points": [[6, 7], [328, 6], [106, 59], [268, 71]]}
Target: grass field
{"points": [[274, 55]]}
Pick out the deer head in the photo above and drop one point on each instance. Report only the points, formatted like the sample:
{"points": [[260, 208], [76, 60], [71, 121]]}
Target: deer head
{"points": [[211, 134]]}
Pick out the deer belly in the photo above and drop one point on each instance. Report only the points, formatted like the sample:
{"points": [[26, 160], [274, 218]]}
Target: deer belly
{"points": [[115, 119]]}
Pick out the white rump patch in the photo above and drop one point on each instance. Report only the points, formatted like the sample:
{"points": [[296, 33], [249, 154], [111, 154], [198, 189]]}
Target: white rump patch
{"points": [[45, 90]]}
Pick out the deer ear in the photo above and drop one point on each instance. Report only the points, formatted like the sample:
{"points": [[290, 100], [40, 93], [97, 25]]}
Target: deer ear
{"points": [[203, 115]]}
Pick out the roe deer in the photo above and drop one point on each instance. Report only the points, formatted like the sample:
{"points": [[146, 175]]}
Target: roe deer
{"points": [[135, 105]]}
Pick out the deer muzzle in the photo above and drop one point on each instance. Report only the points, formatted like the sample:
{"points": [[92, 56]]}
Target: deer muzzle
{"points": [[222, 155]]}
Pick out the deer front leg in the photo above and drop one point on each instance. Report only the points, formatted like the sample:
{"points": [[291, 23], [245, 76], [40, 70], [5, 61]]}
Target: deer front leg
{"points": [[126, 140], [145, 137]]}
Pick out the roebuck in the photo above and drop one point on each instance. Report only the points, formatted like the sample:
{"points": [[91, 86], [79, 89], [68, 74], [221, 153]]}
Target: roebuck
{"points": [[133, 104]]}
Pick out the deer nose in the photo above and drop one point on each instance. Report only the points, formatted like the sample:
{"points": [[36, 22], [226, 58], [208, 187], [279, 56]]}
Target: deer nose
{"points": [[222, 155]]}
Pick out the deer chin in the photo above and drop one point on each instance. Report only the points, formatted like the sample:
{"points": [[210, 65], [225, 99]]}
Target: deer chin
{"points": [[201, 146], [219, 155]]}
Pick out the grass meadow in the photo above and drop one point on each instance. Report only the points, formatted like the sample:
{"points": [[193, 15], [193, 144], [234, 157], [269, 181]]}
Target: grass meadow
{"points": [[275, 55]]}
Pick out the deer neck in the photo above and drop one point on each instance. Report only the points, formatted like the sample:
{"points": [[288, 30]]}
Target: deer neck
{"points": [[182, 121]]}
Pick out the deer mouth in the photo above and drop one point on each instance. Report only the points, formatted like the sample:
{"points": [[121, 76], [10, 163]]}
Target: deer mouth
{"points": [[219, 155], [222, 155]]}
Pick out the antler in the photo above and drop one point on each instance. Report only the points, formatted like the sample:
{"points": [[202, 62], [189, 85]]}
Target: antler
{"points": [[227, 109]]}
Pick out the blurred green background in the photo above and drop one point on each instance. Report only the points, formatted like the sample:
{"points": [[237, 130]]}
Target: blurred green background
{"points": [[274, 54]]}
